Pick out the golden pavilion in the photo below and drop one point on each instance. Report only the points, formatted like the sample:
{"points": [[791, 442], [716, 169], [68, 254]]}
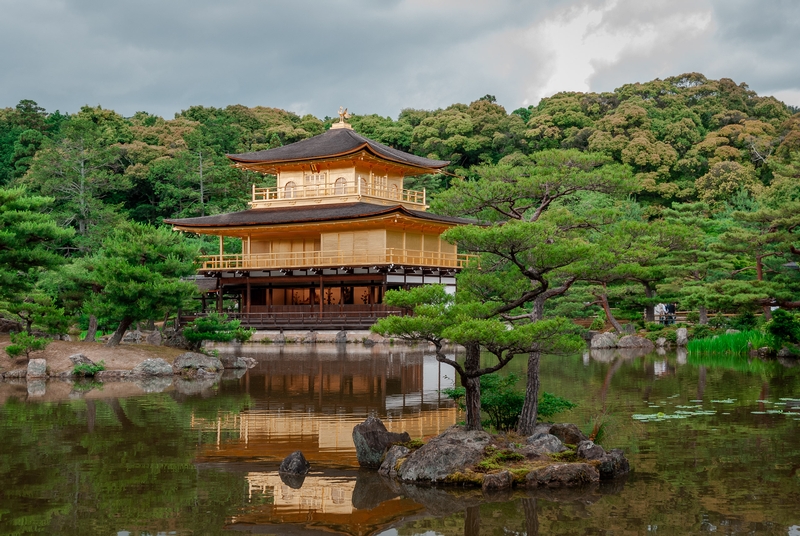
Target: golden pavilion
{"points": [[320, 250]]}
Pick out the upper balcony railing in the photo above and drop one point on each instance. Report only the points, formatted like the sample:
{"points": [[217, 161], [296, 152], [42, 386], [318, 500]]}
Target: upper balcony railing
{"points": [[319, 259], [335, 192]]}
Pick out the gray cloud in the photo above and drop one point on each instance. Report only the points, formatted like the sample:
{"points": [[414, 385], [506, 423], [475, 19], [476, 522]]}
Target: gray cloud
{"points": [[374, 57]]}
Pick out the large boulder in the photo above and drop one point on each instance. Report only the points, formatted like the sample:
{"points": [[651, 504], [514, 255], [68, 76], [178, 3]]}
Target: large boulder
{"points": [[372, 440], [309, 338], [192, 361], [560, 475], [341, 337], [540, 444], [612, 464], [80, 359], [451, 452], [634, 341], [683, 337], [604, 340], [497, 481], [134, 336], [154, 338], [153, 367], [393, 455], [294, 464], [568, 433], [16, 374], [37, 368]]}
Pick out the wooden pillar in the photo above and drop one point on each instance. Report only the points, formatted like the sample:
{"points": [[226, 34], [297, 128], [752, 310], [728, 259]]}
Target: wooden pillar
{"points": [[221, 246], [247, 306], [321, 295]]}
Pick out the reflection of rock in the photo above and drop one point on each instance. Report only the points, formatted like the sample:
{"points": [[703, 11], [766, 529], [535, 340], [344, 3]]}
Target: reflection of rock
{"points": [[633, 353], [371, 490], [153, 367], [682, 355], [568, 433], [294, 464], [233, 362], [372, 440], [603, 355], [451, 452], [441, 502], [293, 481], [154, 384], [233, 374], [194, 386], [604, 340], [36, 388], [560, 475], [37, 368]]}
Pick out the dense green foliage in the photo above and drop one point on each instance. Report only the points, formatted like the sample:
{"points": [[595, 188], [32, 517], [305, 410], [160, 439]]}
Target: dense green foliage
{"points": [[216, 327], [25, 343], [679, 190], [88, 369], [502, 400]]}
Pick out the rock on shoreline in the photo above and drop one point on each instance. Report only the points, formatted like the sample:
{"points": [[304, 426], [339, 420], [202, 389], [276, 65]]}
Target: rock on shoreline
{"points": [[476, 458]]}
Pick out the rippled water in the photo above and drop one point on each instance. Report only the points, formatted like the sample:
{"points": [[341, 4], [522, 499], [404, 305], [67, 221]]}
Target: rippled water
{"points": [[714, 444]]}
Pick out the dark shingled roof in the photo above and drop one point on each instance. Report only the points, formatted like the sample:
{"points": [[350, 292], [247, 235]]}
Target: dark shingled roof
{"points": [[334, 142], [283, 215]]}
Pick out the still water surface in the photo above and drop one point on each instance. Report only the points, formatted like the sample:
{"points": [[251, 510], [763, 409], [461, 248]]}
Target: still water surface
{"points": [[714, 446]]}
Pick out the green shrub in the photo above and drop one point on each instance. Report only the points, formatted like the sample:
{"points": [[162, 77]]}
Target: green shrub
{"points": [[653, 326], [693, 317], [24, 343], [701, 331], [719, 321], [670, 334], [549, 405], [784, 326], [599, 322], [88, 370], [216, 327], [744, 321], [502, 401]]}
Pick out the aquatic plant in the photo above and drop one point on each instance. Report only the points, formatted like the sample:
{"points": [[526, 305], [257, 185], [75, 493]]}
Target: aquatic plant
{"points": [[732, 343]]}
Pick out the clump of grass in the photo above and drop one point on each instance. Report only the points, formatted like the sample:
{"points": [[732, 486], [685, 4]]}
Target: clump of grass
{"points": [[568, 456], [732, 343], [412, 445], [87, 370], [497, 458]]}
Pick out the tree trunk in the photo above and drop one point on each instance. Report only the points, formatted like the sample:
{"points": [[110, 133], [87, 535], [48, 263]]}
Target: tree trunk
{"points": [[531, 517], [609, 316], [703, 314], [472, 521], [472, 386], [649, 309], [530, 408], [121, 329], [91, 333]]}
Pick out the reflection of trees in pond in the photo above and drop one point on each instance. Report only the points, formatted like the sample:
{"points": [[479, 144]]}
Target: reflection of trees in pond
{"points": [[97, 467]]}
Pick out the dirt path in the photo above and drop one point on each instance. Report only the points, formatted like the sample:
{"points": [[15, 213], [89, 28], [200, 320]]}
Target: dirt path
{"points": [[122, 357]]}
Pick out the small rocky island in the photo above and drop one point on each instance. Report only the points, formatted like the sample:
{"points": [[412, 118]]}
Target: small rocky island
{"points": [[554, 456]]}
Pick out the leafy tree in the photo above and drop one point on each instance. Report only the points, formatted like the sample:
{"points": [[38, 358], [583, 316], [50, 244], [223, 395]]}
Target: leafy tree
{"points": [[25, 343], [138, 271], [534, 247], [28, 238], [439, 317]]}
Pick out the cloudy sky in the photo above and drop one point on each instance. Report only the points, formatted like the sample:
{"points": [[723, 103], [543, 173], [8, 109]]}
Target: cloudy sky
{"points": [[380, 56]]}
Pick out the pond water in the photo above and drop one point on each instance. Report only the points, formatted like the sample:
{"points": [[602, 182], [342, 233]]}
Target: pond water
{"points": [[714, 446]]}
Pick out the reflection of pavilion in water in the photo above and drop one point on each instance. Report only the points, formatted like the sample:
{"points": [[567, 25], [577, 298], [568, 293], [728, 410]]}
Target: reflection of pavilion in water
{"points": [[309, 398]]}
